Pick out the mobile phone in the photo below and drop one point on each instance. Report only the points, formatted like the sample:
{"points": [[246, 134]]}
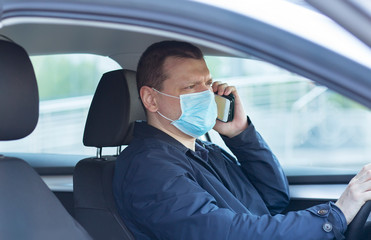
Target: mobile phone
{"points": [[225, 105]]}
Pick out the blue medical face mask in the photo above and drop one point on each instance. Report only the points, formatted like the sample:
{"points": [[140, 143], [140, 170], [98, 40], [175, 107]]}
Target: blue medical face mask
{"points": [[199, 113]]}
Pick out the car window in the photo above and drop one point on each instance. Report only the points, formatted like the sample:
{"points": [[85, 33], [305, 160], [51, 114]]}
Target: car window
{"points": [[66, 87], [310, 128]]}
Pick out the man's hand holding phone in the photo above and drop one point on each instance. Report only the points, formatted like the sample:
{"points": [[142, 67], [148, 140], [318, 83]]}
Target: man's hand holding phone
{"points": [[238, 118]]}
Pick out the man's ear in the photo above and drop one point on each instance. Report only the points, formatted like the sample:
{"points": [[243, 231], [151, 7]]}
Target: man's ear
{"points": [[148, 98]]}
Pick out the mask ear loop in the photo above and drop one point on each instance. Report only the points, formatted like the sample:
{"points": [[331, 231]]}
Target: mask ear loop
{"points": [[165, 117], [167, 96]]}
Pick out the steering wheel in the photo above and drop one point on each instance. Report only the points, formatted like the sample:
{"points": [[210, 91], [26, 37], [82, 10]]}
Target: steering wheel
{"points": [[356, 229]]}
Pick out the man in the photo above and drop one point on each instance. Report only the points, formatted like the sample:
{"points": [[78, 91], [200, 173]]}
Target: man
{"points": [[169, 185]]}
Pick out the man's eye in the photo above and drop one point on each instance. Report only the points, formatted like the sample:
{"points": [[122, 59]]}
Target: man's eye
{"points": [[190, 87]]}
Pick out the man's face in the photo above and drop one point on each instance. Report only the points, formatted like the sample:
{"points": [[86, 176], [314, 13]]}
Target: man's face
{"points": [[184, 75]]}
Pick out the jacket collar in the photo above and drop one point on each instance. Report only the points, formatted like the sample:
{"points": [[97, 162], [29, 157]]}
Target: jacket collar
{"points": [[142, 130]]}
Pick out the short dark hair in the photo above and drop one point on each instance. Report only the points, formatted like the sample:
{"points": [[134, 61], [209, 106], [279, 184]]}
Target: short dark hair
{"points": [[150, 67]]}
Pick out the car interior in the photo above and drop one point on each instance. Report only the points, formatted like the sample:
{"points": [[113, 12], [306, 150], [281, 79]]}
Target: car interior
{"points": [[67, 194], [109, 123]]}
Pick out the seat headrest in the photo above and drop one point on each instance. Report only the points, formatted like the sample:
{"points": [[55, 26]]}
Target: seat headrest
{"points": [[113, 111], [19, 97]]}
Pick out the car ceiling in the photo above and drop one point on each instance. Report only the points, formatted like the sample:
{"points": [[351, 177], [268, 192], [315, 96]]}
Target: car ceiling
{"points": [[61, 38], [124, 46], [42, 33]]}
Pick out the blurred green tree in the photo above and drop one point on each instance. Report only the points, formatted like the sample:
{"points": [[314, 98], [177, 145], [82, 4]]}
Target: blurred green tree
{"points": [[72, 75]]}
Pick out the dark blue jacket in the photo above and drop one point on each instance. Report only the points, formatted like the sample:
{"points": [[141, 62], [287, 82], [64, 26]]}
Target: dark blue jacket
{"points": [[167, 191]]}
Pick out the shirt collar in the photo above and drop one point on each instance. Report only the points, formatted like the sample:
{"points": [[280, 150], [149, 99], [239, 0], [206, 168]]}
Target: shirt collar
{"points": [[201, 151]]}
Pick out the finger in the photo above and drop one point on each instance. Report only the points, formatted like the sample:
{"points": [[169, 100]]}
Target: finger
{"points": [[221, 88], [366, 167], [215, 85], [359, 191], [364, 186], [364, 174], [227, 90], [368, 196], [224, 89]]}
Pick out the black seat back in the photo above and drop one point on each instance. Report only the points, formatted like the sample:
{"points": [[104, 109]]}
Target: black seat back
{"points": [[112, 114], [95, 207], [19, 97], [28, 209]]}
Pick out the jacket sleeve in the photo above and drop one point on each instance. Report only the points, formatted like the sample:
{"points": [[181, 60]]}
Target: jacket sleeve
{"points": [[261, 167], [165, 202]]}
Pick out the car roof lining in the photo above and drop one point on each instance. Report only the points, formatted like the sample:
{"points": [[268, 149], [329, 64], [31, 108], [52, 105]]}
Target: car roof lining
{"points": [[123, 43]]}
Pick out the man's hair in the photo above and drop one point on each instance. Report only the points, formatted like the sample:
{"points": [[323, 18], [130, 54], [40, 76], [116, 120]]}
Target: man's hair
{"points": [[150, 70]]}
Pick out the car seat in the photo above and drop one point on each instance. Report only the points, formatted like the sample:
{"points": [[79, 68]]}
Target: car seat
{"points": [[110, 122], [28, 208]]}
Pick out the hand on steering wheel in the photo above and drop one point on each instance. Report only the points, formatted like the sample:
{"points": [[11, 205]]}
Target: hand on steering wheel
{"points": [[356, 229]]}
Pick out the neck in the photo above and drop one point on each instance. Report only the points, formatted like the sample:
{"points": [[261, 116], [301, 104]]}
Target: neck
{"points": [[187, 141]]}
